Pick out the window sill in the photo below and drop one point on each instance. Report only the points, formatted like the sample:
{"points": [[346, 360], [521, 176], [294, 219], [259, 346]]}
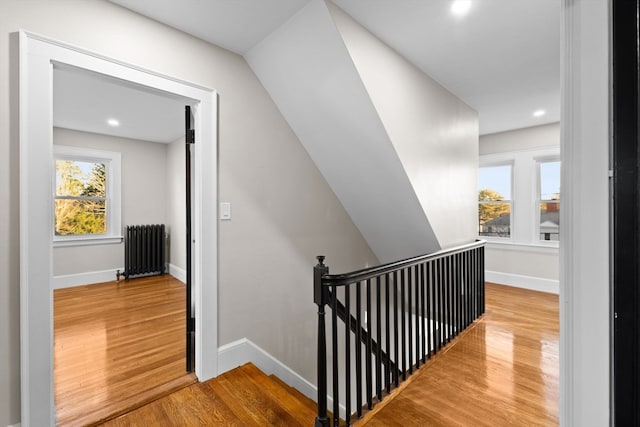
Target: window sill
{"points": [[87, 241], [551, 248]]}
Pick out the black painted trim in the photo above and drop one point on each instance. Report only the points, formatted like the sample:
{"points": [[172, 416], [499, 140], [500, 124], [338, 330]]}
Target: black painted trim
{"points": [[626, 218]]}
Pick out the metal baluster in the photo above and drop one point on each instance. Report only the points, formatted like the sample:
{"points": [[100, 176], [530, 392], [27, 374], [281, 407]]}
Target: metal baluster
{"points": [[417, 280], [440, 309], [483, 295], [475, 285], [457, 275], [429, 286], [467, 292], [423, 301], [358, 342], [387, 373], [403, 325], [410, 321], [396, 338], [368, 348], [334, 350], [347, 353], [449, 299], [379, 340]]}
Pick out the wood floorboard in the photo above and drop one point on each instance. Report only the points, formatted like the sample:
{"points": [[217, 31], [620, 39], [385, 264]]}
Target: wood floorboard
{"points": [[117, 346], [244, 396], [504, 371], [501, 372]]}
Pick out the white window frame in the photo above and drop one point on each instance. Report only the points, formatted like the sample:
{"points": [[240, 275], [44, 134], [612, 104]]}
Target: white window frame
{"points": [[524, 197], [112, 162], [539, 200], [510, 202]]}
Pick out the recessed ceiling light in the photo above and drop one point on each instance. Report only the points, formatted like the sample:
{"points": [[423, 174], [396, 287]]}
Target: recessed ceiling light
{"points": [[460, 7], [113, 122], [539, 113]]}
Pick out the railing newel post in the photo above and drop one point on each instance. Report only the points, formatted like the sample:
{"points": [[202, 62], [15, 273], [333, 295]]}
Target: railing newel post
{"points": [[320, 297]]}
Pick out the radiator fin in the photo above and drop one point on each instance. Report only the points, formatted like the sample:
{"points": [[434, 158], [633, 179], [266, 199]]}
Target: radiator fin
{"points": [[144, 250]]}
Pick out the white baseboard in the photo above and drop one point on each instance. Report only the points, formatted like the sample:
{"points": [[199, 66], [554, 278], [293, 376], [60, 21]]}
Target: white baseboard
{"points": [[14, 425], [178, 273], [70, 280], [243, 351], [91, 277], [526, 282]]}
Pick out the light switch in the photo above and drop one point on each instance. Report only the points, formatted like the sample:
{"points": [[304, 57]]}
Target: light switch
{"points": [[225, 210]]}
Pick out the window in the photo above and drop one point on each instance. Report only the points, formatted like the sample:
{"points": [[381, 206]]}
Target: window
{"points": [[494, 201], [519, 198], [548, 202], [86, 196]]}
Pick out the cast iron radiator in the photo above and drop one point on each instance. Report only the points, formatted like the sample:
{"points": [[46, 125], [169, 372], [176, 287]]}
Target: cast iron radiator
{"points": [[144, 250]]}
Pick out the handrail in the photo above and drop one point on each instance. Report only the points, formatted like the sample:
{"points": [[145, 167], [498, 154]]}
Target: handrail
{"points": [[369, 272], [411, 308]]}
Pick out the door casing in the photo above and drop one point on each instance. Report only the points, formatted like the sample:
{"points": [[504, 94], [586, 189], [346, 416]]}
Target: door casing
{"points": [[37, 55]]}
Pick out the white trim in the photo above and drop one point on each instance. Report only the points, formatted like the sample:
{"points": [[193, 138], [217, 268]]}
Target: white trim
{"points": [[87, 241], [178, 273], [524, 247], [243, 351], [36, 203], [88, 278], [526, 282], [585, 312], [92, 277], [14, 425]]}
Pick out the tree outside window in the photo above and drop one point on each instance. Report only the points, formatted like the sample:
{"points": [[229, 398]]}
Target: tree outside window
{"points": [[86, 196], [494, 201], [81, 198]]}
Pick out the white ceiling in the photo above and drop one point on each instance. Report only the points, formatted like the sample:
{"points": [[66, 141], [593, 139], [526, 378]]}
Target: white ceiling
{"points": [[84, 101], [502, 58]]}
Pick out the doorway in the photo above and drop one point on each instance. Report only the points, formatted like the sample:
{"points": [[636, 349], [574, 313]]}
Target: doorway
{"points": [[37, 56], [120, 161]]}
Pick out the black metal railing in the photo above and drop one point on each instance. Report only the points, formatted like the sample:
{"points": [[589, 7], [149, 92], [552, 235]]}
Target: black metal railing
{"points": [[392, 319]]}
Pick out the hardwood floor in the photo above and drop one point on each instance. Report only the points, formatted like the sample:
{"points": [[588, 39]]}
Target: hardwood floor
{"points": [[241, 397], [117, 346], [504, 371]]}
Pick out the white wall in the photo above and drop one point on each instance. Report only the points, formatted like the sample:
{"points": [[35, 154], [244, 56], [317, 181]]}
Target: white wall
{"points": [[283, 210], [144, 197], [434, 133], [522, 265]]}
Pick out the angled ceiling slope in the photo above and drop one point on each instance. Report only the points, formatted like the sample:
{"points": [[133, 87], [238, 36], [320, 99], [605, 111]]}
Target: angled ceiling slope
{"points": [[309, 72]]}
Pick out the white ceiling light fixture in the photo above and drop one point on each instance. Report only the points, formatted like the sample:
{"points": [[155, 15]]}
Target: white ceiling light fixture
{"points": [[113, 122], [460, 7], [539, 113]]}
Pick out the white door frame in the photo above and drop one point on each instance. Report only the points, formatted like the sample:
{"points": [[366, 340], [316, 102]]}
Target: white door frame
{"points": [[36, 205]]}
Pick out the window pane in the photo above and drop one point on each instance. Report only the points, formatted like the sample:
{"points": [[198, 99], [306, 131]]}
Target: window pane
{"points": [[550, 181], [80, 179], [74, 217], [550, 221], [494, 219], [494, 183]]}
